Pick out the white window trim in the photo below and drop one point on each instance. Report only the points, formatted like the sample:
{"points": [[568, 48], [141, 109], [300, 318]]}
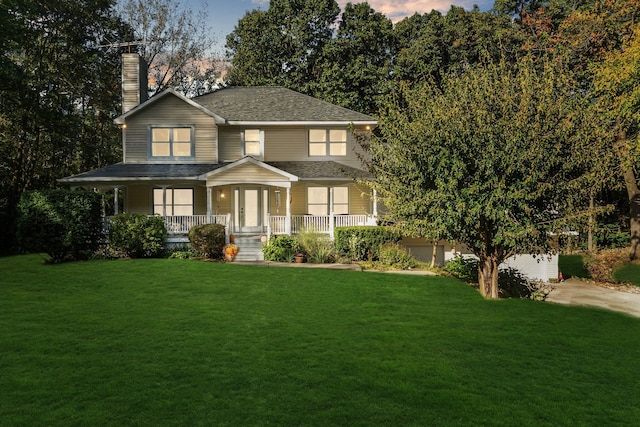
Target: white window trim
{"points": [[161, 203], [328, 142], [243, 142], [171, 156], [328, 198]]}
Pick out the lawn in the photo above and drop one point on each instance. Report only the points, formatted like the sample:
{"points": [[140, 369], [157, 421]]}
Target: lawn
{"points": [[187, 343]]}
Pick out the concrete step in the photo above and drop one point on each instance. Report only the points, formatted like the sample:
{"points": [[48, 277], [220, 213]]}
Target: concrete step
{"points": [[249, 248]]}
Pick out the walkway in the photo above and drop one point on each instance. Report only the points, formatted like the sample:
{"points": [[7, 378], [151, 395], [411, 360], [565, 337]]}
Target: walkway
{"points": [[577, 292]]}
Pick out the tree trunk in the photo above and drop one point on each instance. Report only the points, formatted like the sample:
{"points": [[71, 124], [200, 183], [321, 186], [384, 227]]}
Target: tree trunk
{"points": [[433, 254], [488, 277], [591, 223], [633, 192]]}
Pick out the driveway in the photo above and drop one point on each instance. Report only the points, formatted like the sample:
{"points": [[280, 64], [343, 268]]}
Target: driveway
{"points": [[577, 292]]}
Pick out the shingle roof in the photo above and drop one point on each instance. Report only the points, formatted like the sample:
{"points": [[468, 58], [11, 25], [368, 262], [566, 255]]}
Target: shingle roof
{"points": [[137, 171], [321, 170], [275, 104]]}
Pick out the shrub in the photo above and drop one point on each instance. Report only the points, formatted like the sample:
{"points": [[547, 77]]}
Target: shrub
{"points": [[137, 235], [394, 255], [362, 243], [317, 246], [281, 248], [66, 225], [207, 240], [602, 265], [465, 269]]}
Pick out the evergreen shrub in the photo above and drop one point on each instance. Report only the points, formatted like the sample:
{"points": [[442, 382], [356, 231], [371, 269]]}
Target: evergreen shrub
{"points": [[281, 248], [64, 224], [137, 235], [362, 243], [207, 240]]}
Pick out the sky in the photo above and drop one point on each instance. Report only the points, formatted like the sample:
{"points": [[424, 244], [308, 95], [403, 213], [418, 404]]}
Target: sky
{"points": [[223, 15]]}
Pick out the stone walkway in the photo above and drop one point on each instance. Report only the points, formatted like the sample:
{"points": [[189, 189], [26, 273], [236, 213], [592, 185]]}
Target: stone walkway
{"points": [[577, 292]]}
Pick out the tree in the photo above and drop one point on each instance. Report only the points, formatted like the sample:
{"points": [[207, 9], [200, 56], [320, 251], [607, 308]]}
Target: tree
{"points": [[355, 68], [487, 160], [177, 45], [59, 95], [281, 46]]}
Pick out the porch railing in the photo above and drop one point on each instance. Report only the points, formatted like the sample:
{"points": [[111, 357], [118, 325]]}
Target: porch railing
{"points": [[319, 223], [180, 224]]}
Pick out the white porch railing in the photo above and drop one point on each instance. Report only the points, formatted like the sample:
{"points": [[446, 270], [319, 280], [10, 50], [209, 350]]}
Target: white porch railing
{"points": [[180, 224], [319, 223]]}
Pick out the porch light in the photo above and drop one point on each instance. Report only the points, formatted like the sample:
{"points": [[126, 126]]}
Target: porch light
{"points": [[219, 195]]}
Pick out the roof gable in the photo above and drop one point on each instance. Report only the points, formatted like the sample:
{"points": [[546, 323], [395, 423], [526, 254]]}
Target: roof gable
{"points": [[248, 169], [158, 97]]}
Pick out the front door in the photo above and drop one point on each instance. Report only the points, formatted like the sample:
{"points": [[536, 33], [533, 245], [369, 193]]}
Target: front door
{"points": [[248, 211]]}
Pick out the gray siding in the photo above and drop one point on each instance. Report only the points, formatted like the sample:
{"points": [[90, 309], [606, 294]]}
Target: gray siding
{"points": [[170, 111]]}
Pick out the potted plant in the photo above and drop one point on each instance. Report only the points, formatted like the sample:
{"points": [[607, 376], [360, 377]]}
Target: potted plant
{"points": [[230, 251], [300, 257]]}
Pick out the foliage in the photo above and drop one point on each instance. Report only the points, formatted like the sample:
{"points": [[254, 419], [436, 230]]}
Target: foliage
{"points": [[137, 235], [489, 160], [207, 240], [394, 255], [177, 44], [602, 265], [316, 246], [66, 225], [60, 92], [629, 273], [362, 243], [572, 266], [181, 254], [464, 268], [281, 248]]}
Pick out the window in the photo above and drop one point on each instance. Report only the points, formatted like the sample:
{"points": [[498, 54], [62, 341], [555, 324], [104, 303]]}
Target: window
{"points": [[318, 200], [252, 142], [173, 201], [327, 141], [171, 142]]}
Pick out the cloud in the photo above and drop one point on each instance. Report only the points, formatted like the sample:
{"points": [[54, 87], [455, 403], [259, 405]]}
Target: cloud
{"points": [[397, 10]]}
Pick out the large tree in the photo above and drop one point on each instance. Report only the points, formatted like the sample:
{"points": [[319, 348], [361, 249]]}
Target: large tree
{"points": [[282, 45], [485, 159], [59, 94]]}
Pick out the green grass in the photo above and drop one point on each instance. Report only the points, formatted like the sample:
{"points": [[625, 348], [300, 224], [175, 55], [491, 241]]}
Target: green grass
{"points": [[572, 266], [188, 343], [630, 273]]}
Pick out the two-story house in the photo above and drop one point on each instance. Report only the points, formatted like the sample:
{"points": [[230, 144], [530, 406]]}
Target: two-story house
{"points": [[258, 159]]}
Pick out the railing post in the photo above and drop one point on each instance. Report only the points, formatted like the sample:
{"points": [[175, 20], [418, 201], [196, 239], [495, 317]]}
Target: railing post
{"points": [[268, 226], [331, 214], [287, 221]]}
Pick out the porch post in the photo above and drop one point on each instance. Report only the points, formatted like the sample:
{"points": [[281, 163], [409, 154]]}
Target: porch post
{"points": [[116, 190], [164, 201], [331, 214], [375, 203], [287, 221], [209, 201]]}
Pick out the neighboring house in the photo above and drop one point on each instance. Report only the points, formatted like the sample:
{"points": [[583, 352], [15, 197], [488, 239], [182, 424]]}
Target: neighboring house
{"points": [[261, 160]]}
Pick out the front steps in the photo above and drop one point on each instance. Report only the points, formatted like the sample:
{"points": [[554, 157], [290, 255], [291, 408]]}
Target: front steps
{"points": [[249, 248]]}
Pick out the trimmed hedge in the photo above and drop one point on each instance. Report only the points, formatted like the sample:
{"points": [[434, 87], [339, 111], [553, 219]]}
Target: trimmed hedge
{"points": [[65, 224], [138, 235], [207, 240], [362, 243], [281, 248]]}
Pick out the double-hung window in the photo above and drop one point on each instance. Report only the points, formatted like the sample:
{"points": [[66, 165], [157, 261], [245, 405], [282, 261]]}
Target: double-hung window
{"points": [[252, 142], [327, 142], [172, 142], [173, 201], [318, 200]]}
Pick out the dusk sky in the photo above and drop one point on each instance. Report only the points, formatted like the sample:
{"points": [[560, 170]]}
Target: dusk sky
{"points": [[224, 14]]}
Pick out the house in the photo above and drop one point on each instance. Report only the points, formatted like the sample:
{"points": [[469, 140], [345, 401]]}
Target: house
{"points": [[260, 160]]}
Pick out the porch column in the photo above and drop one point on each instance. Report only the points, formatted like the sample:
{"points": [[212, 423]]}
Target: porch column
{"points": [[116, 190], [287, 220], [331, 214], [375, 203], [209, 201]]}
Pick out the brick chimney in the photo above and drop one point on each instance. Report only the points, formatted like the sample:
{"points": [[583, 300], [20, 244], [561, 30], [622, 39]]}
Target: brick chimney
{"points": [[134, 81]]}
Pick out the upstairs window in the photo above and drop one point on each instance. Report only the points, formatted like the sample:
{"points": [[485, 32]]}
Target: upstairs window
{"points": [[327, 142], [252, 142], [171, 142], [173, 201]]}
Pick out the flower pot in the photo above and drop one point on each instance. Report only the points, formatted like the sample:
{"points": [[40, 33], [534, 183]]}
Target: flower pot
{"points": [[299, 258]]}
